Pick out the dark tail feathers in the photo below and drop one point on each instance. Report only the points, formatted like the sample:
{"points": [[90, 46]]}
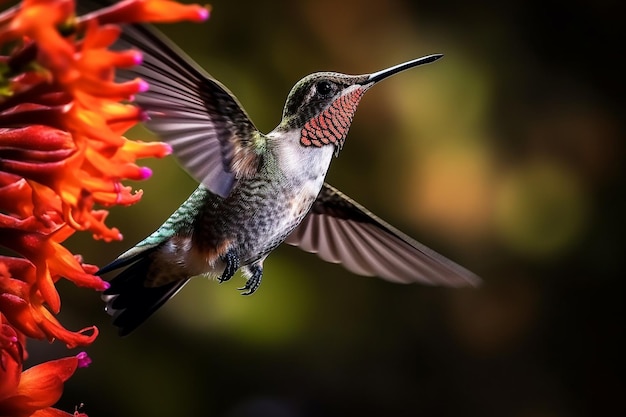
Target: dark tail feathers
{"points": [[128, 300]]}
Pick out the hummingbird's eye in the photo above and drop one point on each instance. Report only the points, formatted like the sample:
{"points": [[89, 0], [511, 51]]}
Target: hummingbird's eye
{"points": [[324, 88]]}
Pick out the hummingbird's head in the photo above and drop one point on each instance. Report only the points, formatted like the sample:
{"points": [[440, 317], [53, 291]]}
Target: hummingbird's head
{"points": [[322, 105]]}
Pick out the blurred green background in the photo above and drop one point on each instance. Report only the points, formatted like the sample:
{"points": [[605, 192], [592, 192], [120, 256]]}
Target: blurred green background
{"points": [[506, 156]]}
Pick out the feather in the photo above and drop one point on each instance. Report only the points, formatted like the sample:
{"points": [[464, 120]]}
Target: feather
{"points": [[210, 133], [339, 230]]}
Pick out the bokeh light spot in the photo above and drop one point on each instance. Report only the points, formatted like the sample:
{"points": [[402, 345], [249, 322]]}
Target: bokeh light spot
{"points": [[450, 191], [540, 209]]}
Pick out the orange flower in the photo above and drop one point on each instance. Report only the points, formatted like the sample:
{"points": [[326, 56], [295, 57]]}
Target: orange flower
{"points": [[24, 307], [83, 101], [62, 155], [55, 173], [34, 391]]}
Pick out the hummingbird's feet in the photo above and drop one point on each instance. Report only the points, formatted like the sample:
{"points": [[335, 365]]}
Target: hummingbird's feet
{"points": [[232, 265], [252, 284]]}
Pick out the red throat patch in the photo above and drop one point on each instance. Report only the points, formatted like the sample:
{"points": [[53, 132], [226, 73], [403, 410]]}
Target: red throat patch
{"points": [[331, 126]]}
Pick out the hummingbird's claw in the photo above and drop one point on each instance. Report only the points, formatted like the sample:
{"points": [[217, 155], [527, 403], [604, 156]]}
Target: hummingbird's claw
{"points": [[231, 259], [246, 290], [253, 283]]}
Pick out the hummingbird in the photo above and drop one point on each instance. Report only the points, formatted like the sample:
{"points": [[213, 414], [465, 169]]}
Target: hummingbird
{"points": [[256, 190]]}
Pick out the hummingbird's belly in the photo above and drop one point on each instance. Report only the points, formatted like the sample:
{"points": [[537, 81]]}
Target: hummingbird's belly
{"points": [[270, 224], [256, 218]]}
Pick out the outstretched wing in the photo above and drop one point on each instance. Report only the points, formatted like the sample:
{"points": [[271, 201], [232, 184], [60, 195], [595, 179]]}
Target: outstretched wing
{"points": [[339, 230], [210, 133]]}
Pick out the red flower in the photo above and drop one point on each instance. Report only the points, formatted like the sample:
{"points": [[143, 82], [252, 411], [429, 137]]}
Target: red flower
{"points": [[25, 308], [34, 391], [62, 155], [55, 173]]}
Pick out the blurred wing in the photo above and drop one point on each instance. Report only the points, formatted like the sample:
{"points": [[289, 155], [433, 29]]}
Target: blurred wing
{"points": [[339, 230], [210, 133]]}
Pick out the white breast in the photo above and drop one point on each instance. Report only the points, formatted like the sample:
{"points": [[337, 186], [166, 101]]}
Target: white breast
{"points": [[304, 168]]}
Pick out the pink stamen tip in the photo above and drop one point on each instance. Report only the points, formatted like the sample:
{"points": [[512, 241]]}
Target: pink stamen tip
{"points": [[83, 360], [203, 14], [137, 58], [145, 173], [168, 149], [105, 285], [142, 86]]}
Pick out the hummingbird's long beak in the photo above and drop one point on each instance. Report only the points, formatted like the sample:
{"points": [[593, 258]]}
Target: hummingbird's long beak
{"points": [[381, 75]]}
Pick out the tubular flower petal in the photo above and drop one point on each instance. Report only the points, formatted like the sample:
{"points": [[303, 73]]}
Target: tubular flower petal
{"points": [[156, 11], [11, 358]]}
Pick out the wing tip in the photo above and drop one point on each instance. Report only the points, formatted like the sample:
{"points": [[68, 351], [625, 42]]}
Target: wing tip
{"points": [[469, 280]]}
